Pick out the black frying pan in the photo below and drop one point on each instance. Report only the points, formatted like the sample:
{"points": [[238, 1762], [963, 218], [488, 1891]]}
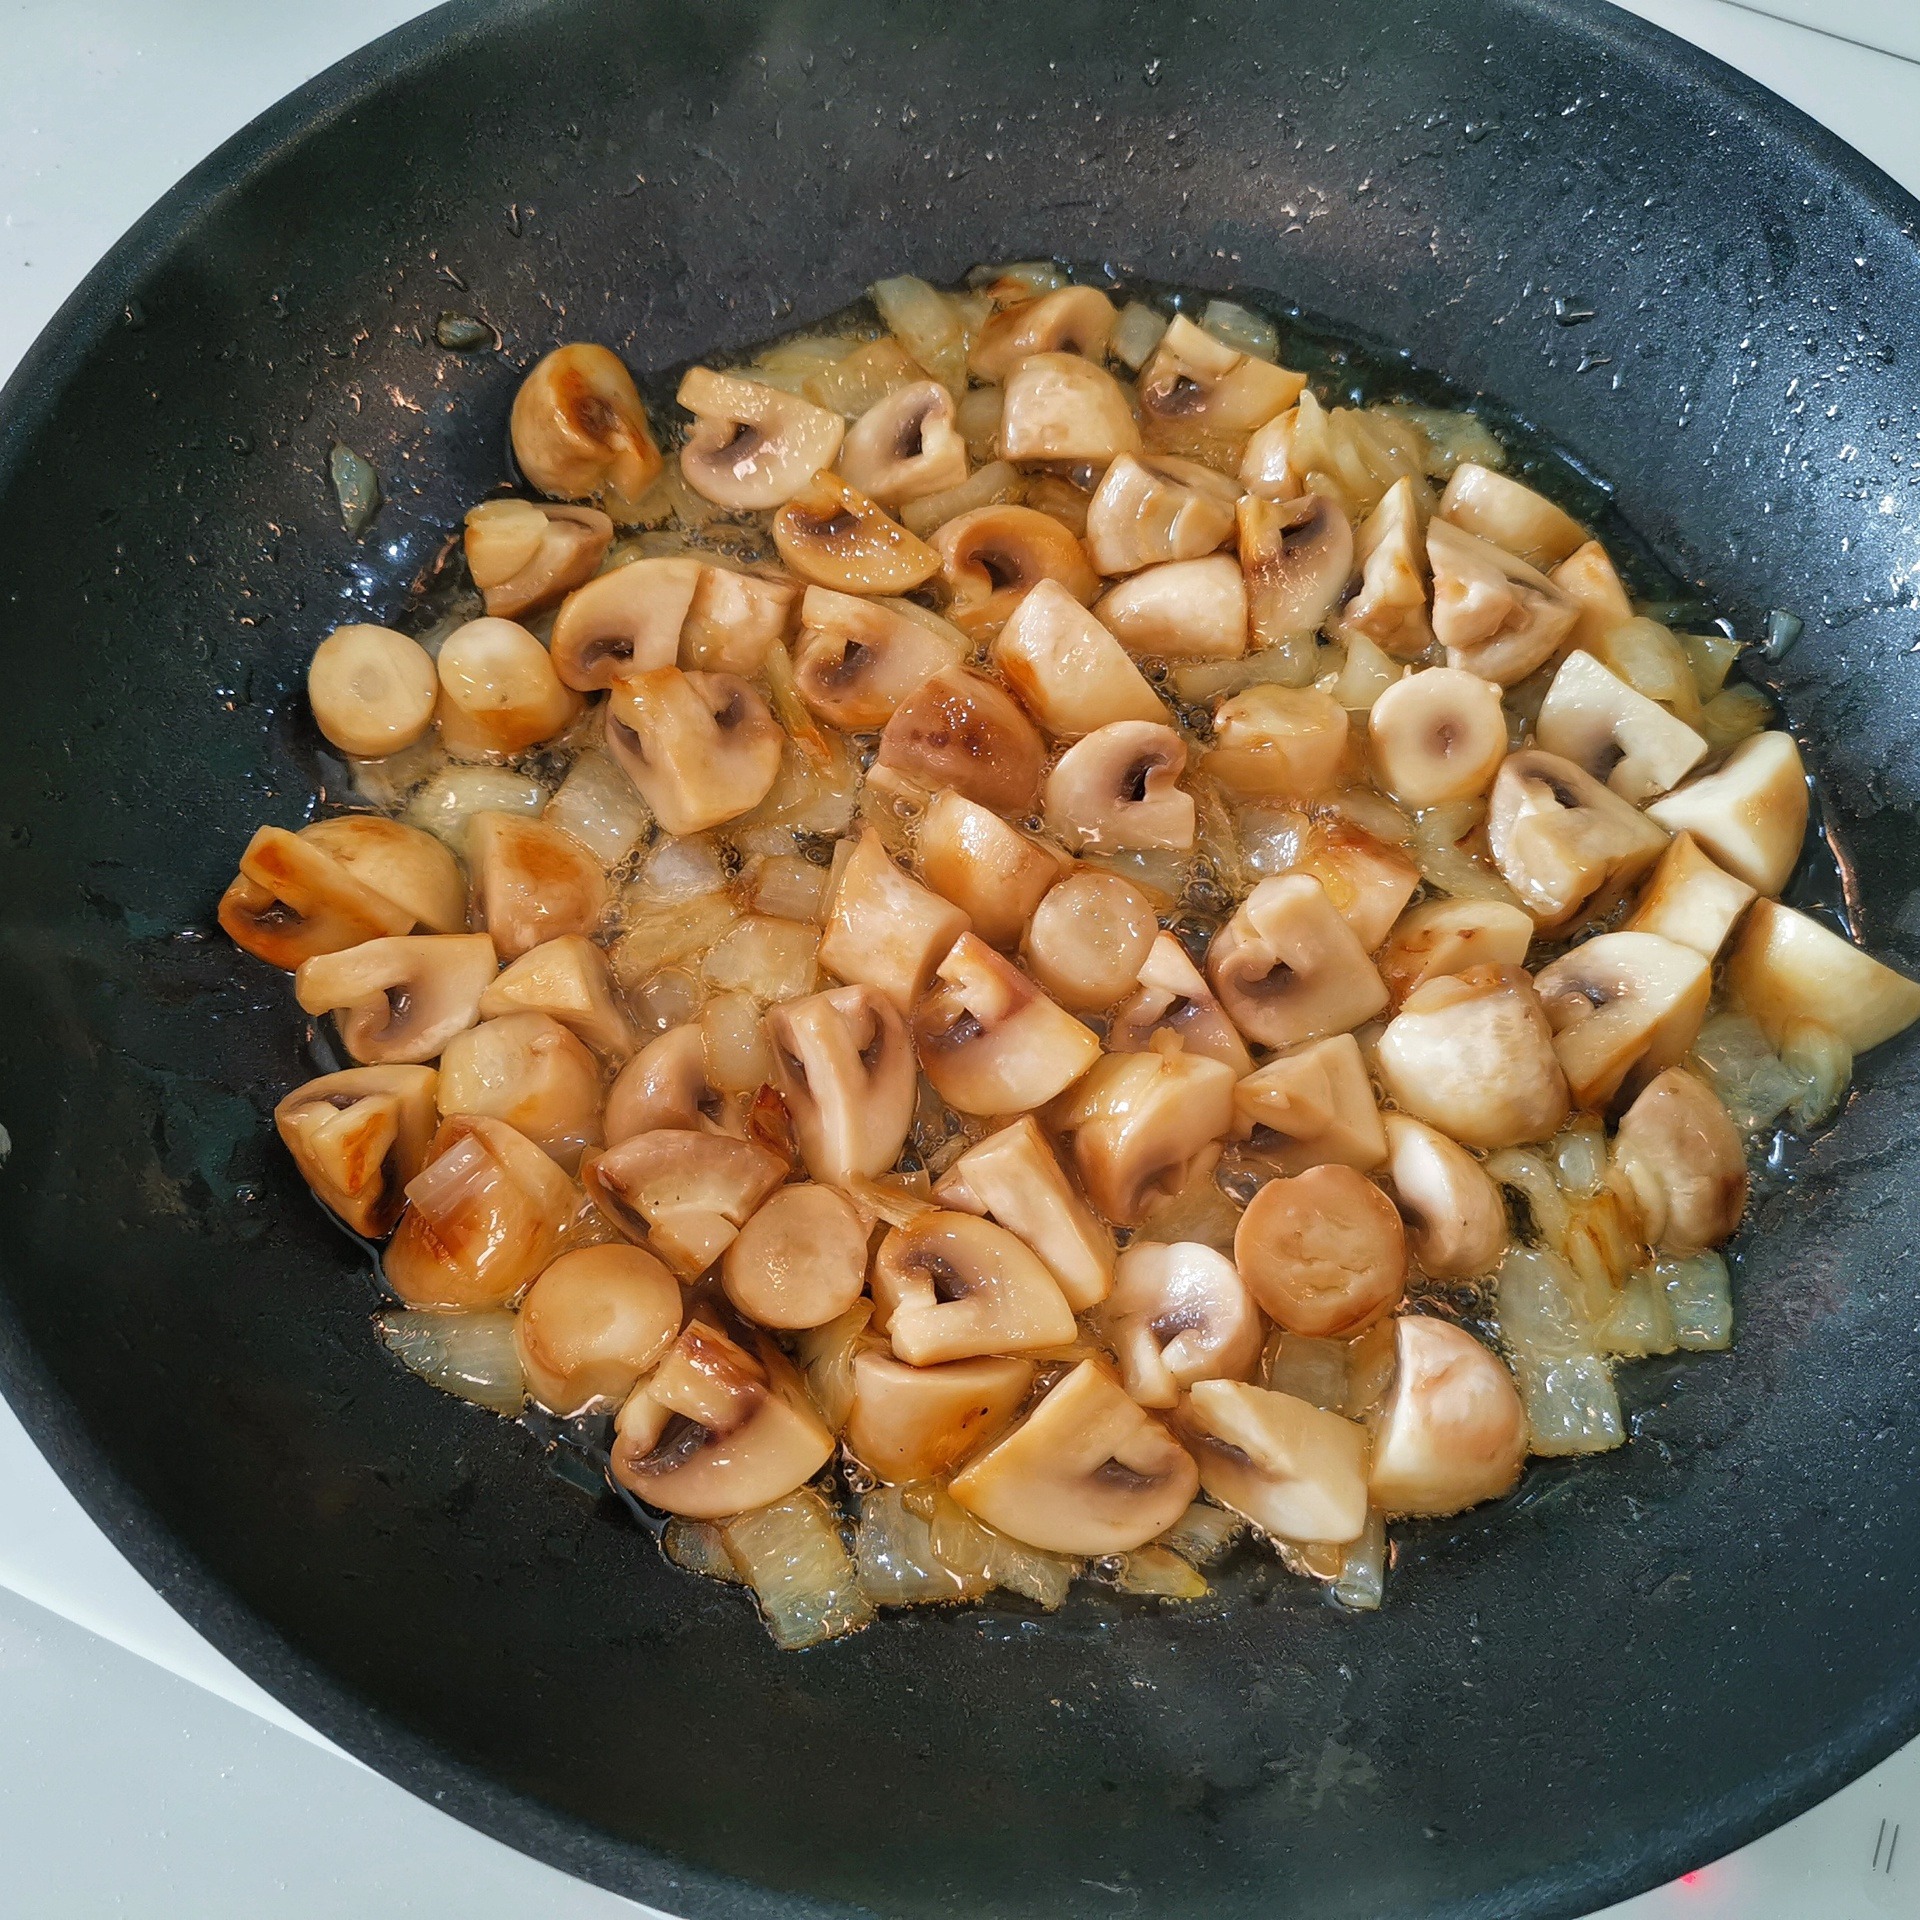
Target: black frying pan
{"points": [[1632, 1665]]}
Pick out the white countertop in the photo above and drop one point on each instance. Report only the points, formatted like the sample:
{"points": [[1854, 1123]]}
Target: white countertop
{"points": [[218, 1802]]}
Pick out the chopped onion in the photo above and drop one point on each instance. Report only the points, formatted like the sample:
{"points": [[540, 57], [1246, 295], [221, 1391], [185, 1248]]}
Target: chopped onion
{"points": [[1271, 838], [975, 1550], [894, 1560], [385, 783], [697, 1546], [1641, 1319], [445, 806], [1161, 1572], [993, 485], [1580, 1156], [1311, 1370], [792, 1556], [1732, 714], [1199, 1211], [734, 1039], [862, 378], [1356, 455], [1365, 674], [1452, 438], [790, 887], [826, 1357], [1155, 869], [1565, 1383], [809, 794], [1824, 1063], [665, 999], [1363, 1574], [1700, 1295], [768, 959], [1603, 1247], [1287, 663], [469, 1355], [1709, 655], [1373, 1358], [1245, 332], [597, 804], [680, 869], [1750, 1080], [1446, 865], [790, 364], [1135, 334], [1203, 1533], [1372, 813], [977, 419], [657, 933], [898, 1202], [931, 325], [783, 692]]}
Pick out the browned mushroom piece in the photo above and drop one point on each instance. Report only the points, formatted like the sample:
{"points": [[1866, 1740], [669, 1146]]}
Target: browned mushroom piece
{"points": [[1589, 578], [844, 1065], [1683, 1164], [1119, 788], [1298, 1472], [1155, 507], [1691, 898], [1297, 556], [701, 747], [526, 556], [592, 1324], [857, 659], [962, 731], [484, 1214], [1437, 735], [293, 901], [992, 557], [1071, 674], [1172, 996], [1492, 507], [626, 622], [914, 1423], [1495, 615], [990, 1041], [1452, 1432], [1456, 1218], [1288, 968], [529, 1071], [1623, 1007], [410, 867], [398, 1001], [1614, 732], [372, 690], [1390, 605], [531, 882], [991, 871], [1196, 392], [1323, 1252], [1749, 813], [567, 979], [884, 929], [1564, 843], [1177, 1314], [949, 1286], [1058, 406], [753, 446], [735, 621], [800, 1260], [1314, 1107], [581, 433], [1273, 742], [906, 446], [1089, 939], [1067, 320], [1182, 610], [832, 535], [1787, 970], [668, 1084], [1369, 881], [358, 1137], [683, 1194], [499, 692], [1449, 936]]}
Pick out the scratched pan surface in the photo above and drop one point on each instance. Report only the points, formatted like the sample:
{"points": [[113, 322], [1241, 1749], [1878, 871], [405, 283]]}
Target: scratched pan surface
{"points": [[1633, 1665]]}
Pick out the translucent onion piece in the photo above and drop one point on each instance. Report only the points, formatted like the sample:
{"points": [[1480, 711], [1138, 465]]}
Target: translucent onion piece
{"points": [[1288, 663], [791, 1555], [1564, 1382], [894, 1560], [1824, 1062], [697, 1546], [994, 485], [973, 1549], [1311, 1370], [1135, 334], [1732, 714], [1234, 326], [1159, 1571], [1700, 1294], [1750, 1080], [931, 325], [1580, 1157], [826, 1358], [1448, 867], [682, 869], [598, 805], [1363, 1575], [447, 803], [1453, 439], [1199, 1211], [385, 783], [1203, 1533], [1365, 674], [790, 364], [469, 1355], [1641, 1321]]}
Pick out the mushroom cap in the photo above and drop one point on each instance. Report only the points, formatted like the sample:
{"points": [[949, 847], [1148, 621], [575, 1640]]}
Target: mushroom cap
{"points": [[398, 1001], [1322, 1252], [1622, 1006], [703, 748], [962, 731], [736, 620], [857, 659], [1389, 607], [752, 446], [1288, 968], [832, 535], [1057, 406], [1750, 813], [906, 446], [845, 1068], [916, 1423], [372, 690], [800, 1261], [884, 929], [358, 1137], [1070, 673], [1314, 1107], [1368, 881], [1118, 788], [531, 882], [499, 693], [1182, 610], [1142, 1124], [568, 980], [626, 622], [525, 555], [1178, 1313], [1614, 732], [1154, 508], [1089, 938], [683, 1194], [1297, 556], [1456, 1218], [594, 1321], [1297, 1472], [1495, 615], [293, 901], [406, 865], [1786, 968], [1172, 996], [992, 557], [1195, 390], [529, 1071], [1691, 898], [1280, 742], [948, 1286], [1562, 841], [1492, 507], [580, 431], [1066, 320], [667, 1084], [1683, 1164], [1448, 936], [996, 875], [1452, 1432], [1438, 735]]}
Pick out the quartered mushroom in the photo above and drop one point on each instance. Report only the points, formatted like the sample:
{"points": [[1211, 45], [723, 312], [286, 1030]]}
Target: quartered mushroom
{"points": [[580, 432], [682, 1194], [1389, 607], [1155, 507], [913, 1423], [995, 874], [1314, 1107], [1296, 1471], [1452, 1431], [1070, 673], [1067, 320], [1749, 813], [1440, 937], [1297, 556], [568, 980], [1288, 968], [1682, 1163], [1495, 615], [1492, 507], [992, 557], [1456, 1217], [1273, 742], [906, 446], [1322, 1252], [531, 882], [525, 555], [752, 446], [800, 1261], [1590, 579], [1786, 968], [844, 1065], [856, 659], [529, 1071], [1171, 996], [499, 692], [626, 622], [293, 901], [406, 865], [832, 535], [1195, 390], [949, 1286], [1088, 1471], [1119, 788], [1182, 610], [1438, 735], [961, 730], [1623, 1006], [702, 747], [372, 690], [358, 1137], [735, 621], [1179, 1314], [1565, 844], [1368, 881], [1614, 732], [398, 1001], [883, 928], [1089, 938], [1058, 406], [592, 1324], [668, 1083], [1691, 898]]}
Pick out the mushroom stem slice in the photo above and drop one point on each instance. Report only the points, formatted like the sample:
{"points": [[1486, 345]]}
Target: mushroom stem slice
{"points": [[581, 433], [1564, 843], [684, 1195], [752, 446], [1750, 813], [1143, 1124], [1593, 718], [996, 875], [1440, 937], [593, 1323], [1314, 1107], [1089, 938], [906, 446], [832, 535], [399, 1001], [800, 1260], [294, 901], [857, 659], [626, 622], [1070, 673], [993, 556], [1456, 1218], [844, 1066], [1297, 1472], [960, 730], [358, 1137], [1623, 1007], [1119, 788], [1682, 1163], [1057, 406], [950, 1286], [1452, 1432], [1492, 507], [701, 747], [1297, 556], [372, 690], [1690, 898], [1437, 736], [1179, 1314], [1182, 610], [1323, 1252], [523, 557], [1786, 968], [1495, 615], [884, 929], [1288, 968], [917, 1423]]}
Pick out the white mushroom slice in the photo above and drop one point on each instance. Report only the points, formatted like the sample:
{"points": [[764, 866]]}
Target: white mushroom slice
{"points": [[1072, 675], [1281, 743], [1196, 390], [399, 1001], [1057, 406], [714, 1431], [1589, 579], [1178, 1314], [1495, 615], [531, 882], [580, 432], [857, 659], [917, 1423], [1013, 1177], [701, 747], [499, 693], [844, 1065], [1322, 1252], [1452, 1432], [884, 929], [668, 1084], [1156, 508], [358, 1137], [1184, 610], [1448, 936], [752, 446], [1288, 968], [832, 535], [1683, 1164], [1172, 996], [1067, 320], [1297, 556], [962, 731], [1296, 1471], [593, 1323], [1593, 718], [1787, 968], [372, 690], [626, 622], [1119, 788], [568, 980], [1089, 1471], [1690, 898], [292, 901], [1492, 507], [906, 446], [484, 1214], [406, 865], [1317, 1104], [992, 557], [800, 1261], [1749, 813], [1564, 843], [991, 1041], [1390, 606], [1472, 1054], [1089, 938], [529, 1071], [950, 1286], [1367, 880], [996, 875], [735, 621], [682, 1194], [1456, 1218], [524, 557], [1143, 1124], [1622, 1007], [1438, 735]]}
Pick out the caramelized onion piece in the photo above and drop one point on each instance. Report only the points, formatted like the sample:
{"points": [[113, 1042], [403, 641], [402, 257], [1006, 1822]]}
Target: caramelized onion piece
{"points": [[358, 1137], [580, 432], [593, 1323]]}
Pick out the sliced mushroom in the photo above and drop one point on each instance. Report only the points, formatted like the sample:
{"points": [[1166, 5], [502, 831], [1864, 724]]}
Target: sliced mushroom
{"points": [[1072, 675], [1786, 968], [1314, 1107], [1144, 1124], [1448, 936], [1178, 1314], [1492, 507], [1495, 615], [1089, 938], [581, 433], [1184, 610], [681, 1193], [857, 659], [1013, 1177], [1273, 742], [1288, 968], [1452, 1432], [993, 557], [1390, 606], [715, 1430], [1297, 556], [1456, 1218], [884, 929], [1683, 1164], [1368, 881], [1750, 813], [1322, 1252], [1119, 788], [1690, 898], [529, 1071], [524, 556], [531, 882], [1155, 508], [914, 1423], [1593, 718], [668, 1084], [752, 446], [358, 1137], [800, 1261], [994, 874], [1472, 1054], [499, 693], [1622, 1007], [484, 1214], [1297, 1472], [845, 1068], [701, 747], [372, 690], [1172, 996], [962, 731], [735, 622], [1195, 391], [1589, 579], [949, 1286], [1438, 735], [906, 446], [990, 1040], [1057, 406], [568, 980], [626, 622], [833, 536], [1564, 843], [1067, 320], [406, 865], [592, 1324], [293, 901], [399, 1001]]}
